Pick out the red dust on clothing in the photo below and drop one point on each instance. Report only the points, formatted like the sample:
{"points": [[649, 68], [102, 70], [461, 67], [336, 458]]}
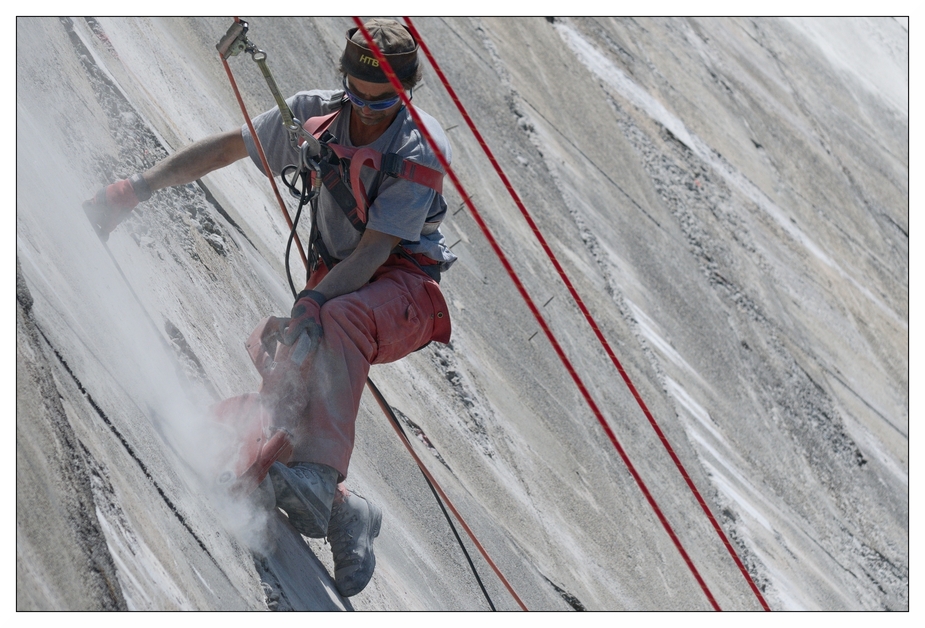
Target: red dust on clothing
{"points": [[399, 311]]}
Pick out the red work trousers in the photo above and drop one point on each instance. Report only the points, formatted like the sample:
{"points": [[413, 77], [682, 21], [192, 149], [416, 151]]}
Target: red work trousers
{"points": [[399, 311]]}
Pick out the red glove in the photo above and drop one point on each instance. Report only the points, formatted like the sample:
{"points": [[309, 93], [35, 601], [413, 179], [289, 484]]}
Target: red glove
{"points": [[113, 203]]}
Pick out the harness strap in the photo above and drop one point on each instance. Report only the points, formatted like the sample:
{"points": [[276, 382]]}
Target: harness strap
{"points": [[331, 178], [317, 251], [394, 165], [390, 164], [319, 124]]}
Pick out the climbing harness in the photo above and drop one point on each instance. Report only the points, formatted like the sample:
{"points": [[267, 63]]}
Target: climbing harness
{"points": [[324, 162], [323, 159], [340, 164]]}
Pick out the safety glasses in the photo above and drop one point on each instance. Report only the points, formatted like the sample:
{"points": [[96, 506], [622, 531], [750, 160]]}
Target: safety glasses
{"points": [[375, 105]]}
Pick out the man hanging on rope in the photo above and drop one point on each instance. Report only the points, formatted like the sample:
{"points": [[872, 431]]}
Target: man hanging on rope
{"points": [[372, 295]]}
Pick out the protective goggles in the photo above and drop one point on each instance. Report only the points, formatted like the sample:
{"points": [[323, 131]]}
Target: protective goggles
{"points": [[375, 105]]}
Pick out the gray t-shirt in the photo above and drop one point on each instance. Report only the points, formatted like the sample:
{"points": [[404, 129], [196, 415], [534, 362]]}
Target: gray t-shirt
{"points": [[408, 210]]}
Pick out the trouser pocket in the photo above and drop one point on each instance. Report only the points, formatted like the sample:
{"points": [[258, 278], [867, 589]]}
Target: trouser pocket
{"points": [[401, 327]]}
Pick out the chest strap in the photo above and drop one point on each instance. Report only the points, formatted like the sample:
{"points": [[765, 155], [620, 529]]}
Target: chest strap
{"points": [[353, 200]]}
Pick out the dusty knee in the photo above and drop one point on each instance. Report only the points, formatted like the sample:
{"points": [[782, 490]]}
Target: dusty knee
{"points": [[346, 321]]}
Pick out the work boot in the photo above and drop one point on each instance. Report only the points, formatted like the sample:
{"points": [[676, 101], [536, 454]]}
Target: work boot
{"points": [[355, 522], [305, 491]]}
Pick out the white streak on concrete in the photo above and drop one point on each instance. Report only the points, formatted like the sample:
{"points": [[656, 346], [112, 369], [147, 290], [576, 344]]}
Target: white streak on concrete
{"points": [[636, 95]]}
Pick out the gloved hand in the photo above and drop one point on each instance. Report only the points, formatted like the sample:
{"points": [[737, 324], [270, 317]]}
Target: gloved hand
{"points": [[113, 203], [284, 377], [305, 318]]}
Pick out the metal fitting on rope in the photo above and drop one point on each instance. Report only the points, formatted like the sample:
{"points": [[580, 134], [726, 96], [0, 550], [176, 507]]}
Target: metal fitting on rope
{"points": [[234, 43], [292, 124], [235, 40]]}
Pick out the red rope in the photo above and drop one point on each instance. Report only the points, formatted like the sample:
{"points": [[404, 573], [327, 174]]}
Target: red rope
{"points": [[390, 74], [263, 158], [589, 317], [387, 410]]}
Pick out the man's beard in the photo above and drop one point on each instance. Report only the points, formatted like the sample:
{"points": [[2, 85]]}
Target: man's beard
{"points": [[376, 118]]}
